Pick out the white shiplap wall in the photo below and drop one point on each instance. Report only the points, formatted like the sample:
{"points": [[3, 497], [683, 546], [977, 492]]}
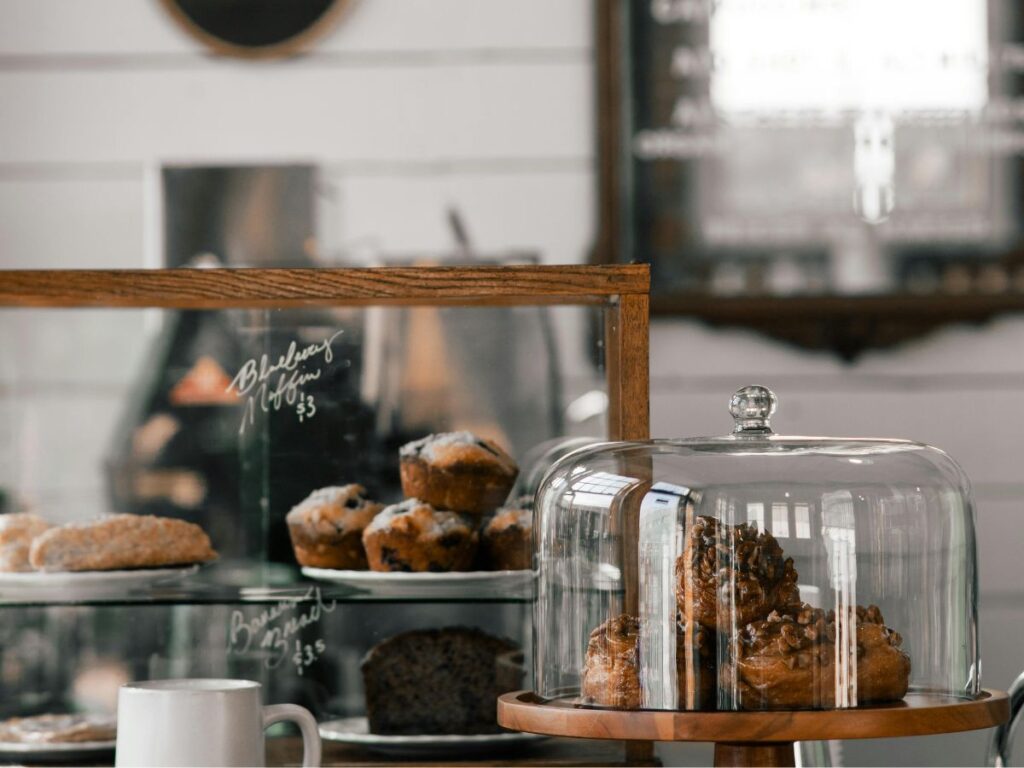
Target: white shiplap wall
{"points": [[411, 106]]}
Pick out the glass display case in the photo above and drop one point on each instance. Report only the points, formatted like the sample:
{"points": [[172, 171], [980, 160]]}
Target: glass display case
{"points": [[771, 572], [755, 587], [227, 419]]}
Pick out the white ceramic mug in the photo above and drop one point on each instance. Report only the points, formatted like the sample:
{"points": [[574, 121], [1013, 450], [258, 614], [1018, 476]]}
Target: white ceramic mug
{"points": [[202, 722]]}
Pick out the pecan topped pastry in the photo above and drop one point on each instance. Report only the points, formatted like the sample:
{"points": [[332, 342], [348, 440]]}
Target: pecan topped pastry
{"points": [[696, 665], [434, 681], [737, 565], [413, 536], [789, 660], [611, 675], [457, 470]]}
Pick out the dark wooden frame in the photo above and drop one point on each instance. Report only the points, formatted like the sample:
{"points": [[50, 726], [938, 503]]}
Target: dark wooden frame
{"points": [[289, 47], [844, 325]]}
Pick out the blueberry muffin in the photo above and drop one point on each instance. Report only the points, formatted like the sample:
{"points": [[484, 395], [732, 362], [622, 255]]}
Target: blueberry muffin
{"points": [[326, 528], [506, 540], [413, 536], [458, 471]]}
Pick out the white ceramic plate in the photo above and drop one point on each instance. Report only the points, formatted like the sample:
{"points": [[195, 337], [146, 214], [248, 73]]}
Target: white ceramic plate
{"points": [[73, 582], [356, 730], [455, 584], [53, 751]]}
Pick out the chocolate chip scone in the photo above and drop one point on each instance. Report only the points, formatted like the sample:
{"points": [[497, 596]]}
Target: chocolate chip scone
{"points": [[457, 470], [788, 661], [413, 536], [736, 566], [326, 528], [121, 541]]}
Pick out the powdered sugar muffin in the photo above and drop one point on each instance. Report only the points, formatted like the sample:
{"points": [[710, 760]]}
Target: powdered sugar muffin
{"points": [[413, 536], [506, 540], [457, 470], [327, 527]]}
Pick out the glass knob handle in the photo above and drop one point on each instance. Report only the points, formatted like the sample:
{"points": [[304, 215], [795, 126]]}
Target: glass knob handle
{"points": [[752, 408]]}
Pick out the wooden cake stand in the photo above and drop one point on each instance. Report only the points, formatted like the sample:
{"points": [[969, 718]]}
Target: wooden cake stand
{"points": [[756, 738]]}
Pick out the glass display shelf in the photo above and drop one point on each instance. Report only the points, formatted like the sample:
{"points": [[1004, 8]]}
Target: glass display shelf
{"points": [[266, 584]]}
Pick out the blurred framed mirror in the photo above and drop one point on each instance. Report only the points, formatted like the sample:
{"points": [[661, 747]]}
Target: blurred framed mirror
{"points": [[825, 172], [256, 28]]}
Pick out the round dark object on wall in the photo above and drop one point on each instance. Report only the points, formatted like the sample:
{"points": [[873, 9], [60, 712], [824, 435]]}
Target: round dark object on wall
{"points": [[256, 28]]}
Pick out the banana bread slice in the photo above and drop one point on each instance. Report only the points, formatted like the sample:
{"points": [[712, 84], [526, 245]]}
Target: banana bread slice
{"points": [[439, 681]]}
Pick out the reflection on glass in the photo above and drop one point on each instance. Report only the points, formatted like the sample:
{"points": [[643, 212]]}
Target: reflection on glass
{"points": [[803, 520], [660, 537], [780, 520]]}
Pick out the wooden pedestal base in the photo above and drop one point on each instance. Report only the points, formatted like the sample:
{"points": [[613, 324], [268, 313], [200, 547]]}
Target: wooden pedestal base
{"points": [[749, 753], [756, 738]]}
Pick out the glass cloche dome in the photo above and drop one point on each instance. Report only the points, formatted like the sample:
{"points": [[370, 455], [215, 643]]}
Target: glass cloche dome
{"points": [[755, 571]]}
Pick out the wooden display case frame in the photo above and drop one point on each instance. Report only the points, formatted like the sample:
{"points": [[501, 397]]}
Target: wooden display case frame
{"points": [[622, 291]]}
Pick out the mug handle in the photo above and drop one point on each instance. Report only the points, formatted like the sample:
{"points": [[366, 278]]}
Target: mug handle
{"points": [[275, 713]]}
